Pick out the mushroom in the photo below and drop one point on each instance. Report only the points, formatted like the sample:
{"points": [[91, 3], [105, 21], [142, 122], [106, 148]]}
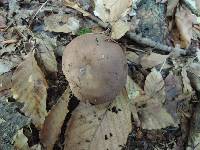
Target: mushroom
{"points": [[95, 68]]}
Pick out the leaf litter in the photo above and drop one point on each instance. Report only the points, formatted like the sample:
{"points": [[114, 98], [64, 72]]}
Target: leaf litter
{"points": [[161, 104]]}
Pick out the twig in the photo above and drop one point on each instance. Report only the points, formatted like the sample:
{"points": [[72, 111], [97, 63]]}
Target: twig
{"points": [[38, 11], [87, 14], [151, 43], [135, 49], [131, 35], [11, 41]]}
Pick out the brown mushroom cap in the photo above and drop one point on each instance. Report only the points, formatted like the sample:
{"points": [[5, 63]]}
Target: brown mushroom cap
{"points": [[95, 68]]}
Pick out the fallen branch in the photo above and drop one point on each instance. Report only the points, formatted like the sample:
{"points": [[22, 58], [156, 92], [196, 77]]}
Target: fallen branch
{"points": [[133, 36], [148, 42]]}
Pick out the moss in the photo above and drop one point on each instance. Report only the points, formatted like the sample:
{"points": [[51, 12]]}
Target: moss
{"points": [[84, 31]]}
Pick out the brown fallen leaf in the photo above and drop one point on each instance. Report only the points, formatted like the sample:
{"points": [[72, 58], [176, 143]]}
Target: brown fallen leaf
{"points": [[61, 23], [184, 20], [173, 88], [30, 87], [152, 60], [149, 104], [54, 121], [112, 11], [20, 141], [99, 127], [154, 85], [46, 57], [155, 116]]}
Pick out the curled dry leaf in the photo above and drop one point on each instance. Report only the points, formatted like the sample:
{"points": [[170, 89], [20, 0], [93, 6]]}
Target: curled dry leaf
{"points": [[99, 126], [20, 141], [187, 89], [30, 87], [53, 122], [152, 60], [154, 85], [184, 20]]}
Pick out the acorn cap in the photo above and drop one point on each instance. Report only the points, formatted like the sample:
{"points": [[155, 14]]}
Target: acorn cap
{"points": [[95, 68]]}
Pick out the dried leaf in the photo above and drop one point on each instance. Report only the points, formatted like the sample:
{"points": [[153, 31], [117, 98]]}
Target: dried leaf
{"points": [[98, 127], [30, 87], [52, 124], [152, 60], [21, 141], [61, 23], [173, 88], [154, 85], [119, 29], [184, 20], [150, 108], [111, 11], [154, 116], [46, 58], [187, 89]]}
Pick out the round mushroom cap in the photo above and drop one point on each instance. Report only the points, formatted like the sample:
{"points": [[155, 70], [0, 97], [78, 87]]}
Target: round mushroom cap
{"points": [[95, 68]]}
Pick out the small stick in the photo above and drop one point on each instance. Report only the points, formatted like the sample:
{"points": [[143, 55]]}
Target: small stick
{"points": [[151, 43], [38, 11], [11, 41]]}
